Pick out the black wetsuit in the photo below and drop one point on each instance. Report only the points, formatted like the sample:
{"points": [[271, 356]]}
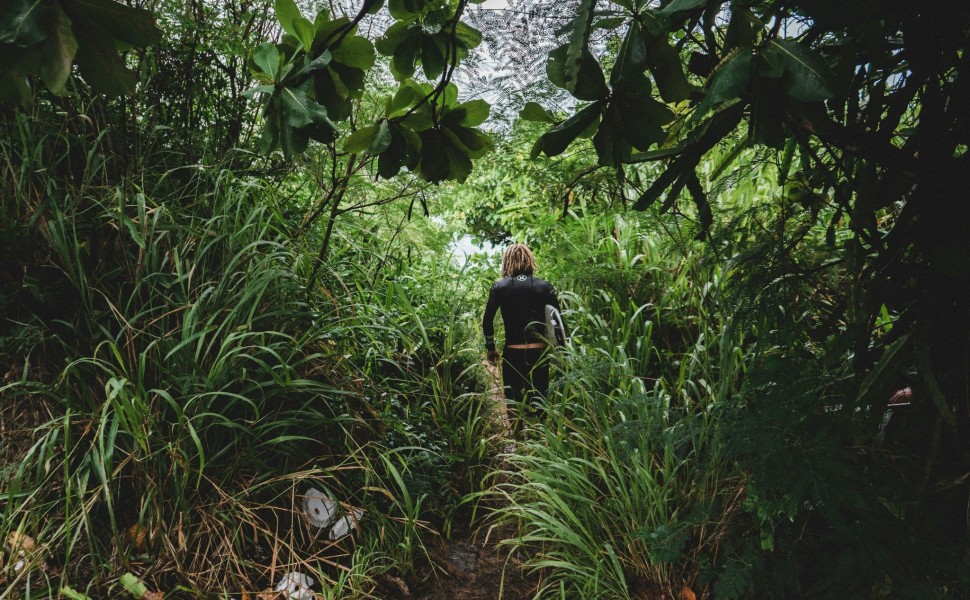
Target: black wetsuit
{"points": [[522, 299]]}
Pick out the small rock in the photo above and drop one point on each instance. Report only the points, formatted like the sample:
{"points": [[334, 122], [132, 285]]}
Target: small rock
{"points": [[461, 560]]}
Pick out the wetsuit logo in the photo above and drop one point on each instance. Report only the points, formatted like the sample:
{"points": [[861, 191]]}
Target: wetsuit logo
{"points": [[520, 277]]}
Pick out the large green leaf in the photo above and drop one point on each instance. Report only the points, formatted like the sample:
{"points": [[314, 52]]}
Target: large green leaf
{"points": [[557, 139], [533, 111], [360, 140], [301, 110], [475, 142], [449, 97], [677, 6], [327, 30], [807, 76], [99, 64], [418, 121], [287, 13], [13, 88], [435, 165], [667, 68], [402, 100], [58, 52], [459, 165], [330, 91], [591, 82], [432, 57], [372, 139], [392, 38], [731, 78], [403, 9], [727, 83], [609, 23], [305, 32], [631, 60], [629, 123], [611, 147], [374, 6], [259, 89], [25, 22], [352, 78], [271, 129], [578, 43], [355, 51], [443, 157], [404, 151], [315, 64], [467, 35], [133, 26], [405, 57], [766, 124], [322, 132], [293, 141], [382, 138], [467, 114], [267, 57], [641, 122], [786, 160]]}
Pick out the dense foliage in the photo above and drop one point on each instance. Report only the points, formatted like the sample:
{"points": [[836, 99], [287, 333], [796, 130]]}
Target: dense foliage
{"points": [[206, 319]]}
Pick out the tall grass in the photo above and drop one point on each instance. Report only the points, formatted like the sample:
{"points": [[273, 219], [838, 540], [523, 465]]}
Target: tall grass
{"points": [[190, 389], [619, 488]]}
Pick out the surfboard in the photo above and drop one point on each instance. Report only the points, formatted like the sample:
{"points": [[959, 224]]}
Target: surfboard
{"points": [[555, 328]]}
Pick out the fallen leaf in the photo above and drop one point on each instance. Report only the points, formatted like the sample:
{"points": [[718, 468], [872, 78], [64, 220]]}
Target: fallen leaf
{"points": [[137, 534], [686, 594], [19, 542]]}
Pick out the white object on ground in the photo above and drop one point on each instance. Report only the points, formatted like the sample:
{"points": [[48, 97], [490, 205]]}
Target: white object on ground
{"points": [[346, 524], [295, 586], [319, 508]]}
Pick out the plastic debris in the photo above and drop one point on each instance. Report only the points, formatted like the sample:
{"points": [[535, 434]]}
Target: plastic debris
{"points": [[295, 586], [319, 509], [72, 594], [346, 524], [22, 547], [137, 588]]}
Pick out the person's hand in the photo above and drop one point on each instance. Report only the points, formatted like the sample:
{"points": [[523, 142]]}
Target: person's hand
{"points": [[492, 357]]}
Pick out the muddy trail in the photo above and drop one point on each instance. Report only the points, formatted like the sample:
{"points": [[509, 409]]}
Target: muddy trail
{"points": [[475, 566]]}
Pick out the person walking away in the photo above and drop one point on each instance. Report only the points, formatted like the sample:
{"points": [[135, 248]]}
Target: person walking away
{"points": [[522, 298]]}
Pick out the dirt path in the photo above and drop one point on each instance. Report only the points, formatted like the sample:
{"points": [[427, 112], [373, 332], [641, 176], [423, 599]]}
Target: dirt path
{"points": [[473, 568]]}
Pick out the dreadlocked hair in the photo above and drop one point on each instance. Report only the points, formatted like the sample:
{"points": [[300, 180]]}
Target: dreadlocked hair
{"points": [[518, 260]]}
